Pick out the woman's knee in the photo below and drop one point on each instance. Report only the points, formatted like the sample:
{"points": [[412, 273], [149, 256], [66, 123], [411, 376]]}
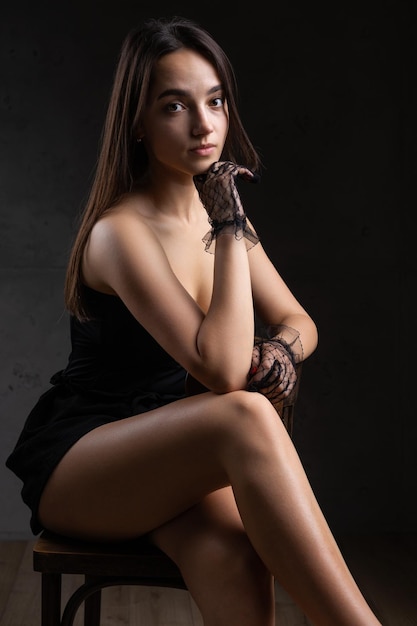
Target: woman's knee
{"points": [[236, 557], [227, 578], [249, 418], [243, 406], [225, 555]]}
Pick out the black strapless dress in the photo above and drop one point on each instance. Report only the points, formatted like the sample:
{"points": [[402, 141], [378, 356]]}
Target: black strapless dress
{"points": [[115, 370]]}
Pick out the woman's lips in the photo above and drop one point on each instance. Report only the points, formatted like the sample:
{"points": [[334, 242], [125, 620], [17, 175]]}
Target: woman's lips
{"points": [[204, 150]]}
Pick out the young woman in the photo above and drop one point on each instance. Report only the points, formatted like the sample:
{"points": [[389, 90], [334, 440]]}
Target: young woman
{"points": [[164, 281]]}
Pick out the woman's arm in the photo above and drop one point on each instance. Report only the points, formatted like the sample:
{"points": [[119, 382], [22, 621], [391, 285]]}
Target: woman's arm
{"points": [[275, 304], [227, 332]]}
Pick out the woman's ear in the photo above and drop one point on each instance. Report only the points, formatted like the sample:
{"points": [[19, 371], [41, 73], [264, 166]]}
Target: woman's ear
{"points": [[140, 133]]}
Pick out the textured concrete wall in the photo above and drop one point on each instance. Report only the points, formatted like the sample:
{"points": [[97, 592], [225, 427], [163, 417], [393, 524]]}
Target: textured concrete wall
{"points": [[329, 98]]}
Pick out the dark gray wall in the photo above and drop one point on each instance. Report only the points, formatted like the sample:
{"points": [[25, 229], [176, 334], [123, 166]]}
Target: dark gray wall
{"points": [[329, 98]]}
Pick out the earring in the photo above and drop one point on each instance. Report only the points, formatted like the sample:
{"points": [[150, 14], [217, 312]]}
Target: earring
{"points": [[139, 139]]}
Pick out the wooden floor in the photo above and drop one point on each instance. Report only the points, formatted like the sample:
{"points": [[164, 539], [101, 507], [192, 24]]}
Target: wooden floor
{"points": [[385, 567]]}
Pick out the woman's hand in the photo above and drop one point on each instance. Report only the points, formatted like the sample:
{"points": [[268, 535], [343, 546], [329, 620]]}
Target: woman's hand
{"points": [[218, 192], [272, 371], [220, 197]]}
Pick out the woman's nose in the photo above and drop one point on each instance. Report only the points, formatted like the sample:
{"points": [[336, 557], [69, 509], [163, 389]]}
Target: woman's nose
{"points": [[201, 123]]}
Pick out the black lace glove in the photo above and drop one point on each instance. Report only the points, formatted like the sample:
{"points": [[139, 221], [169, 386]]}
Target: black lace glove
{"points": [[274, 359], [220, 197]]}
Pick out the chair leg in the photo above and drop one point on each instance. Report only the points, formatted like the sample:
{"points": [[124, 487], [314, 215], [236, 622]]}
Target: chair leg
{"points": [[92, 607], [51, 600], [89, 594]]}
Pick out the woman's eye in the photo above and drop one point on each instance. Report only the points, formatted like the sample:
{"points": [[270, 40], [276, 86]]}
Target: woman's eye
{"points": [[218, 102], [173, 107]]}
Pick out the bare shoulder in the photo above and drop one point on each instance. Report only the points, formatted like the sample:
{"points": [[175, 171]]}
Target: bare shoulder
{"points": [[119, 221], [119, 242]]}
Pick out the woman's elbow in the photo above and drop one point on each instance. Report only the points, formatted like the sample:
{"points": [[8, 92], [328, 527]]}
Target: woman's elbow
{"points": [[224, 381]]}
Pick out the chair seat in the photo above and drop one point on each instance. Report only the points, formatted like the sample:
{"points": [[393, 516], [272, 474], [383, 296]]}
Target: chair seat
{"points": [[134, 562], [139, 557]]}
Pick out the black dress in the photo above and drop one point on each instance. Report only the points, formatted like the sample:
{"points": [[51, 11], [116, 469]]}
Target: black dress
{"points": [[115, 370]]}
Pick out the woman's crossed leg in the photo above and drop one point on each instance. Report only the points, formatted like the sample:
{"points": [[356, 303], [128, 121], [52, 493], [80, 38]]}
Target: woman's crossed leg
{"points": [[167, 471]]}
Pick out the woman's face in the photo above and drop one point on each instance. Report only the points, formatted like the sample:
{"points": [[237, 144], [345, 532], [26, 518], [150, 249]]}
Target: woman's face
{"points": [[185, 121]]}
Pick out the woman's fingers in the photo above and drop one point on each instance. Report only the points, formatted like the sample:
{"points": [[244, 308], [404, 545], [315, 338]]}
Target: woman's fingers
{"points": [[272, 372]]}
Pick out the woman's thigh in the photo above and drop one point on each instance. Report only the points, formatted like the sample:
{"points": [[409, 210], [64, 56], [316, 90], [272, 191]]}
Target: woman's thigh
{"points": [[130, 476]]}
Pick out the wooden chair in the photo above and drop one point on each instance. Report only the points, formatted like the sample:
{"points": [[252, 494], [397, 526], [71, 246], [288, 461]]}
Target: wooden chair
{"points": [[136, 562]]}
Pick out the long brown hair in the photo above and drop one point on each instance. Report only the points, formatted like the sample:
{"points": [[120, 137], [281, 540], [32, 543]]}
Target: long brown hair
{"points": [[122, 161]]}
